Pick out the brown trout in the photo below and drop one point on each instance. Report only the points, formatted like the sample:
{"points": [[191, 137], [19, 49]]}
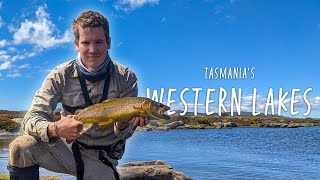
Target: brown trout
{"points": [[120, 110]]}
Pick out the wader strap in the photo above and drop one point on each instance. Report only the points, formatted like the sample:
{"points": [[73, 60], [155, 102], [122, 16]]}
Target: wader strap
{"points": [[84, 89], [85, 92], [105, 148], [105, 89], [77, 157], [72, 110], [108, 163], [88, 102]]}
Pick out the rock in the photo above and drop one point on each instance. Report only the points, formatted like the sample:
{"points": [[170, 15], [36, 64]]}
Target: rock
{"points": [[175, 124], [150, 170], [153, 123], [218, 125], [187, 126], [17, 120], [7, 133], [146, 128], [230, 124], [181, 127], [162, 128]]}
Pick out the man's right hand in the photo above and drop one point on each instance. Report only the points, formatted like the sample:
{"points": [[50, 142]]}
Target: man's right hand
{"points": [[67, 127]]}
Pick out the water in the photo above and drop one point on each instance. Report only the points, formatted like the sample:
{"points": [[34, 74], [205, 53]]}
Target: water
{"points": [[238, 153]]}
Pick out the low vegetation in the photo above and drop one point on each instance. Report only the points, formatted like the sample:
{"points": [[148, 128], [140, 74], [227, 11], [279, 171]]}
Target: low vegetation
{"points": [[6, 117]]}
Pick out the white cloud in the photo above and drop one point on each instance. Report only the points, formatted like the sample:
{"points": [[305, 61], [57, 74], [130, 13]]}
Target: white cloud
{"points": [[4, 56], [2, 52], [3, 42], [14, 75], [130, 5], [1, 4], [24, 66], [23, 56], [12, 49], [317, 100], [5, 65], [39, 32]]}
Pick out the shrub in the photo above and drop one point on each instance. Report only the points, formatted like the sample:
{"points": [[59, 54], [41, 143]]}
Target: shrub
{"points": [[7, 124]]}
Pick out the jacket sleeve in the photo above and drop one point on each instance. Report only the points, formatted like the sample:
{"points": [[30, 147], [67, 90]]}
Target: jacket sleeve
{"points": [[40, 114], [130, 89]]}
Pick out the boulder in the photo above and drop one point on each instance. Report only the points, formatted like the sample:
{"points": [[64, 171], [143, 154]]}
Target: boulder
{"points": [[230, 124], [181, 127], [187, 126], [218, 125], [150, 170], [162, 128], [175, 124]]}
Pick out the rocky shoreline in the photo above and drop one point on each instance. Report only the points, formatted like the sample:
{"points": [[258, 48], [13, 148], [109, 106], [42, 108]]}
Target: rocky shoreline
{"points": [[208, 122], [225, 123]]}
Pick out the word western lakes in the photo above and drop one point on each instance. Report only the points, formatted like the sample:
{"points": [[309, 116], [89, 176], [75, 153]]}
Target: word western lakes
{"points": [[229, 73], [235, 100]]}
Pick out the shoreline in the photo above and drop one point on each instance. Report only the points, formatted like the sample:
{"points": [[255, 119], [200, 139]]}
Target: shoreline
{"points": [[10, 122]]}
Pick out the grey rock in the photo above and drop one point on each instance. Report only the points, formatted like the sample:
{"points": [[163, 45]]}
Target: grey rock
{"points": [[175, 124], [162, 128], [230, 124], [150, 170], [181, 127]]}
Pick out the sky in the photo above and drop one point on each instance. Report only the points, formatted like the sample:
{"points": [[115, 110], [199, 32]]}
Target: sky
{"points": [[171, 44]]}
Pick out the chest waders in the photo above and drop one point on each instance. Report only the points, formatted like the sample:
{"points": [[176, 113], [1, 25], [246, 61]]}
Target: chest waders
{"points": [[75, 144]]}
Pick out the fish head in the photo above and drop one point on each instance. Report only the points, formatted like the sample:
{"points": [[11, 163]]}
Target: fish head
{"points": [[156, 110]]}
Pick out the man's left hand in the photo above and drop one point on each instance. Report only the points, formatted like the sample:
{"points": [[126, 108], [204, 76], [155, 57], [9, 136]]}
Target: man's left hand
{"points": [[136, 121]]}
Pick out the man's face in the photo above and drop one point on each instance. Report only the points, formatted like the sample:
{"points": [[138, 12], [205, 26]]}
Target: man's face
{"points": [[92, 45]]}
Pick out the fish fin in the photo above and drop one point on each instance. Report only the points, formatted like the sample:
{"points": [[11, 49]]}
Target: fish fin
{"points": [[105, 123], [77, 111], [85, 128]]}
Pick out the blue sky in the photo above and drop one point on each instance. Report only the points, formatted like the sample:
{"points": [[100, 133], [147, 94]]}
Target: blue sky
{"points": [[169, 44]]}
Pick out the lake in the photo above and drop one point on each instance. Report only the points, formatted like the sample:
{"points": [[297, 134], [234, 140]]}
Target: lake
{"points": [[237, 153]]}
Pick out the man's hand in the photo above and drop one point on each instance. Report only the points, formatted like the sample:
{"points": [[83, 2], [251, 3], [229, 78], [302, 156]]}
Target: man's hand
{"points": [[136, 121], [66, 127]]}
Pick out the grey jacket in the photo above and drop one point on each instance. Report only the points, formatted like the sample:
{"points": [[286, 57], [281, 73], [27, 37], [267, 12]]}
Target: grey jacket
{"points": [[62, 85]]}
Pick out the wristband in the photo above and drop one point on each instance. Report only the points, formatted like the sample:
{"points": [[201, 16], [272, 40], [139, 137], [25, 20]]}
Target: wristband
{"points": [[55, 130]]}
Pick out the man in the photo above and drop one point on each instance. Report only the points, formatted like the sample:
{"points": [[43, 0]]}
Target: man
{"points": [[92, 78]]}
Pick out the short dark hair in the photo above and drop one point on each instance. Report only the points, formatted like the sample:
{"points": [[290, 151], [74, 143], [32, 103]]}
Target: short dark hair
{"points": [[90, 19]]}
